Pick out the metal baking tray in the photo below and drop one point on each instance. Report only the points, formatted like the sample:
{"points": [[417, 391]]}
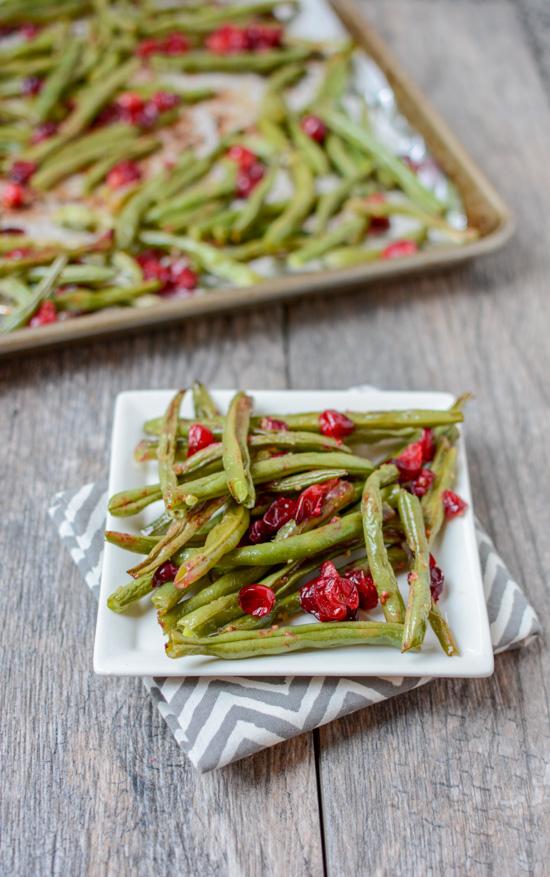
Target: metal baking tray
{"points": [[484, 208]]}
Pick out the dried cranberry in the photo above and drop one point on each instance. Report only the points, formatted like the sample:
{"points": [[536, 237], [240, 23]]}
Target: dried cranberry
{"points": [[280, 512], [453, 504], [45, 314], [244, 157], [263, 36], [199, 437], [256, 600], [146, 48], [428, 445], [258, 532], [248, 179], [123, 173], [182, 276], [335, 424], [228, 39], [147, 117], [378, 223], [422, 482], [18, 253], [409, 462], [314, 127], [363, 581], [31, 86], [311, 500], [28, 30], [330, 597], [165, 100], [154, 268], [437, 579], [129, 107], [43, 132], [175, 44], [399, 249], [12, 229], [22, 171], [13, 196], [271, 423], [165, 573]]}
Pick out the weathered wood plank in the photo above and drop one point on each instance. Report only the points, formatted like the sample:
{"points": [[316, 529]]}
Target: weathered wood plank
{"points": [[451, 779], [98, 784]]}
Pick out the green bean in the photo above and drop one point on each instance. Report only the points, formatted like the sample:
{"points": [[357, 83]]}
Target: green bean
{"points": [[83, 300], [348, 230], [300, 205], [403, 208], [200, 459], [14, 289], [95, 97], [44, 41], [348, 257], [99, 170], [342, 158], [210, 258], [323, 635], [131, 542], [198, 61], [196, 196], [443, 467], [21, 315], [166, 453], [225, 584], [88, 274], [330, 202], [380, 566], [127, 224], [342, 494], [297, 483], [310, 151], [203, 402], [385, 159], [58, 81], [419, 602], [442, 631], [335, 80], [236, 457], [250, 212], [129, 502], [81, 154], [221, 540], [127, 594], [203, 18], [193, 220]]}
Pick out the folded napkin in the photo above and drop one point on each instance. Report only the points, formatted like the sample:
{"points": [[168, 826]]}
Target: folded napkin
{"points": [[217, 721]]}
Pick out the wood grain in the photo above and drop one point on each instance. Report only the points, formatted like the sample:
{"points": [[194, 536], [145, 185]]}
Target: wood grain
{"points": [[450, 779]]}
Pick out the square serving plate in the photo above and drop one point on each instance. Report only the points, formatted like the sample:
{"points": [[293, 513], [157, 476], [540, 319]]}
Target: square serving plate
{"points": [[133, 645]]}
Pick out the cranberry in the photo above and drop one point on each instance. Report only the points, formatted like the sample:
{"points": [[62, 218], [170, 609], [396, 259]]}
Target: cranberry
{"points": [[154, 268], [13, 196], [19, 253], [244, 157], [453, 504], [175, 44], [164, 100], [123, 173], [363, 581], [314, 127], [43, 132], [263, 36], [437, 579], [311, 500], [335, 424], [22, 171], [256, 600], [248, 180], [12, 229], [183, 277], [378, 223], [31, 86], [422, 482], [280, 512], [165, 573], [146, 48], [258, 532], [28, 31], [228, 39], [399, 249], [271, 423], [409, 462], [199, 437], [45, 314], [129, 107], [330, 597], [147, 117], [428, 445]]}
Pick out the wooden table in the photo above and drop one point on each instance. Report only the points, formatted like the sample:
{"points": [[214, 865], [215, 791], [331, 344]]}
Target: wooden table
{"points": [[450, 779]]}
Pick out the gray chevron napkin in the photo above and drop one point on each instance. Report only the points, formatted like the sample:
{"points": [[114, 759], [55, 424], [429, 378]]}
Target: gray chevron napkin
{"points": [[217, 721]]}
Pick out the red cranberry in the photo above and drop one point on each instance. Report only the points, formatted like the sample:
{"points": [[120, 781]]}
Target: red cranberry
{"points": [[256, 600], [330, 597], [363, 581], [146, 48], [271, 423], [258, 532], [437, 579], [248, 180], [227, 39], [164, 100], [335, 424], [165, 573], [154, 268], [31, 86], [314, 127], [129, 107], [279, 513], [147, 117], [409, 462], [199, 437], [422, 482], [399, 249], [378, 223], [453, 504], [12, 229], [175, 44], [123, 173], [45, 314], [43, 132], [183, 277], [13, 196], [263, 36], [244, 157], [28, 30], [22, 171], [428, 445], [311, 500], [19, 253]]}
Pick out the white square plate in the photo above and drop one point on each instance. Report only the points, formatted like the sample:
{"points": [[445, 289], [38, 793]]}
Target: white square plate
{"points": [[133, 645]]}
